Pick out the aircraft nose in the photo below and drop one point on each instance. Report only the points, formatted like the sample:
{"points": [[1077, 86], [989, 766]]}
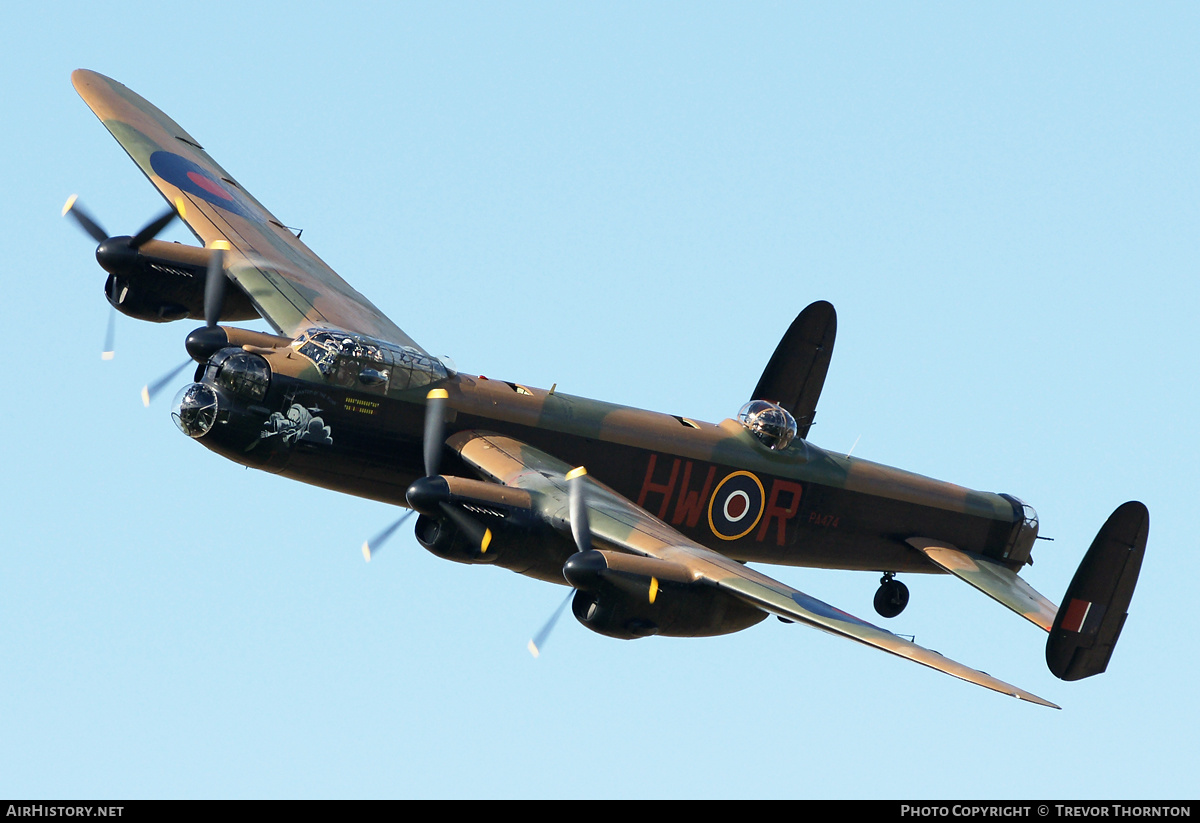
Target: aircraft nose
{"points": [[195, 409]]}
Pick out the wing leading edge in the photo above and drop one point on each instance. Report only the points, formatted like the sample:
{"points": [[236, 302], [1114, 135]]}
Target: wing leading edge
{"points": [[288, 284], [620, 525]]}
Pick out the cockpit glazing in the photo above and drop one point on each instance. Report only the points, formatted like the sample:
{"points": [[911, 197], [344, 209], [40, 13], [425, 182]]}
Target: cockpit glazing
{"points": [[358, 361]]}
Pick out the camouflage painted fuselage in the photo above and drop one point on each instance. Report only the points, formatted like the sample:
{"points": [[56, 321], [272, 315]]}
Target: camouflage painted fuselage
{"points": [[714, 483]]}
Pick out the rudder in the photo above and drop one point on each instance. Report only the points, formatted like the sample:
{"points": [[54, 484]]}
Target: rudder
{"points": [[1096, 604]]}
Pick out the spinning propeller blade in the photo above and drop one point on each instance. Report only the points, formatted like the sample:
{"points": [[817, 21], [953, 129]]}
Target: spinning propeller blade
{"points": [[214, 298], [577, 490], [214, 283], [435, 426], [371, 547], [536, 645], [110, 335], [582, 532], [430, 494], [89, 224], [475, 531], [151, 390], [84, 219], [151, 229]]}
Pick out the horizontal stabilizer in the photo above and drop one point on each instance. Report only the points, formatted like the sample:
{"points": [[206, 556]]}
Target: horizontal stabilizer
{"points": [[996, 581], [1097, 601]]}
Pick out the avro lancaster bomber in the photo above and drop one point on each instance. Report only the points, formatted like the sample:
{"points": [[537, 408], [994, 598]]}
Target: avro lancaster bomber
{"points": [[649, 518]]}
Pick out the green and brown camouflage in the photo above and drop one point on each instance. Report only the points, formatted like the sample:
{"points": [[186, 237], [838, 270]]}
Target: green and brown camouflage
{"points": [[654, 537], [291, 287], [818, 508], [664, 460]]}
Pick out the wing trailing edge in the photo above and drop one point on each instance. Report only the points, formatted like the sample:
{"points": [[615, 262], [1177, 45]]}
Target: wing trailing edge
{"points": [[619, 525]]}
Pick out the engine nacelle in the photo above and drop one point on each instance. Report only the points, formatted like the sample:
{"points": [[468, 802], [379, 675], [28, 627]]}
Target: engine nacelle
{"points": [[160, 282], [135, 300], [441, 537], [678, 610], [518, 543]]}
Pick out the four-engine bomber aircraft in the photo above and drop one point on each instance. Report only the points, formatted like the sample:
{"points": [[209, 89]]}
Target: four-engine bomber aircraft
{"points": [[653, 535]]}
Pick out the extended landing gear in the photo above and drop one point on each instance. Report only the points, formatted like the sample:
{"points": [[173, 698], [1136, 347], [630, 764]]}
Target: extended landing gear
{"points": [[891, 597]]}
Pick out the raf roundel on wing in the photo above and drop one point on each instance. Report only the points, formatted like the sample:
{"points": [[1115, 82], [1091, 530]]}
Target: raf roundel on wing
{"points": [[190, 178]]}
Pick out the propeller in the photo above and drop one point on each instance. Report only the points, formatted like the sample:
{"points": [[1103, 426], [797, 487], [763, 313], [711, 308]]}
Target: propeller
{"points": [[431, 493], [214, 283], [85, 221], [110, 246], [151, 390], [151, 229], [581, 531], [536, 645], [435, 427], [214, 298], [110, 334], [88, 223], [475, 531], [371, 547], [433, 445]]}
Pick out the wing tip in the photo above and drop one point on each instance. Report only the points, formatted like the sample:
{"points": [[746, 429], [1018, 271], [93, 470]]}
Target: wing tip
{"points": [[1033, 698], [82, 78]]}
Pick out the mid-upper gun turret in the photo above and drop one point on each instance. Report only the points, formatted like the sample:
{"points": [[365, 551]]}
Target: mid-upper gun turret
{"points": [[771, 423]]}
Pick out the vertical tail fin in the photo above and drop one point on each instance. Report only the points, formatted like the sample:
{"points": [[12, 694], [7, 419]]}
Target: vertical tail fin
{"points": [[1095, 606]]}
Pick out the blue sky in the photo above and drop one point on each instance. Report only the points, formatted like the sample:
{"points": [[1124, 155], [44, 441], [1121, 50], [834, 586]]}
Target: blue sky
{"points": [[633, 203]]}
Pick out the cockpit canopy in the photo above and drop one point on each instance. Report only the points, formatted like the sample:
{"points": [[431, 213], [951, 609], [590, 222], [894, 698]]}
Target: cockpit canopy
{"points": [[769, 422], [355, 359]]}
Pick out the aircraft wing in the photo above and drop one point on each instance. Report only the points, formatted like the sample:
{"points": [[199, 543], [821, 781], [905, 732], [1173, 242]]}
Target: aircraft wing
{"points": [[618, 524], [291, 287]]}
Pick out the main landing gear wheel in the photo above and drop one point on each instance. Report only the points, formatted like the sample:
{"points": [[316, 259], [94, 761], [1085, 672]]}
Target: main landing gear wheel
{"points": [[891, 597]]}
